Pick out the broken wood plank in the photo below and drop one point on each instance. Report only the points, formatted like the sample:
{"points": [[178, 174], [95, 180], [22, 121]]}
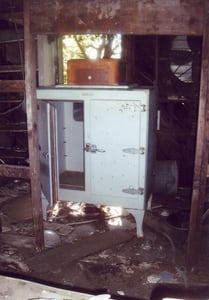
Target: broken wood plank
{"points": [[70, 253]]}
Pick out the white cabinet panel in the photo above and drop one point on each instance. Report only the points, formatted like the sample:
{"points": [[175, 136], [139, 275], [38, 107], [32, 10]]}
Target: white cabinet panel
{"points": [[114, 127]]}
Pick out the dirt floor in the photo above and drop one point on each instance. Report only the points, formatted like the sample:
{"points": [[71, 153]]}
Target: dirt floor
{"points": [[95, 249]]}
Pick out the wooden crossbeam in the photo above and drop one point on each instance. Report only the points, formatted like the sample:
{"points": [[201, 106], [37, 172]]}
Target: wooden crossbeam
{"points": [[14, 171], [12, 86], [11, 68], [171, 17]]}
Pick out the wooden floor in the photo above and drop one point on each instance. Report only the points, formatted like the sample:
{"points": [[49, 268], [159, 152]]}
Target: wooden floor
{"points": [[72, 180]]}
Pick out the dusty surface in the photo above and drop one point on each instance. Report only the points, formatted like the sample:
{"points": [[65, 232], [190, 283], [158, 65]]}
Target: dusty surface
{"points": [[91, 249]]}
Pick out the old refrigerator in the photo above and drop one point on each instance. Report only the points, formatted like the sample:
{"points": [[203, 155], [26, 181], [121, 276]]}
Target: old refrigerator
{"points": [[97, 145]]}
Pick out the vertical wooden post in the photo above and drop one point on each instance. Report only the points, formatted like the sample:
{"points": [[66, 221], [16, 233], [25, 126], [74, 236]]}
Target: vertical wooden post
{"points": [[201, 156], [31, 108]]}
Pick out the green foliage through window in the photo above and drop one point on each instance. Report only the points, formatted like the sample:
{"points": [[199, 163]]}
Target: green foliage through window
{"points": [[90, 46]]}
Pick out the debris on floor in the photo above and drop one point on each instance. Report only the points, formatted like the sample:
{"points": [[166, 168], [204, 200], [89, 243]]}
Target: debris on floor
{"points": [[93, 248]]}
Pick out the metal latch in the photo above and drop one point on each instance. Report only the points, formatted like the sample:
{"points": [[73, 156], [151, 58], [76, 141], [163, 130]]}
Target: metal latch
{"points": [[92, 148]]}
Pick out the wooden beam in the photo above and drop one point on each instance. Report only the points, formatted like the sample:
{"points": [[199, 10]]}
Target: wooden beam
{"points": [[14, 171], [12, 86], [13, 127], [171, 17], [201, 156], [70, 253], [32, 117], [11, 68], [10, 101]]}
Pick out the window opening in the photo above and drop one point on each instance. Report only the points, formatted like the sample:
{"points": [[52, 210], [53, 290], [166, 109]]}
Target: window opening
{"points": [[89, 46]]}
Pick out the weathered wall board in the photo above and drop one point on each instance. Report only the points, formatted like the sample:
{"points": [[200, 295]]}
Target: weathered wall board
{"points": [[119, 16]]}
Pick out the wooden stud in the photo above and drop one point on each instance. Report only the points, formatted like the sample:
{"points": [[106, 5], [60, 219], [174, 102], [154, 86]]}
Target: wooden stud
{"points": [[201, 156], [31, 107]]}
